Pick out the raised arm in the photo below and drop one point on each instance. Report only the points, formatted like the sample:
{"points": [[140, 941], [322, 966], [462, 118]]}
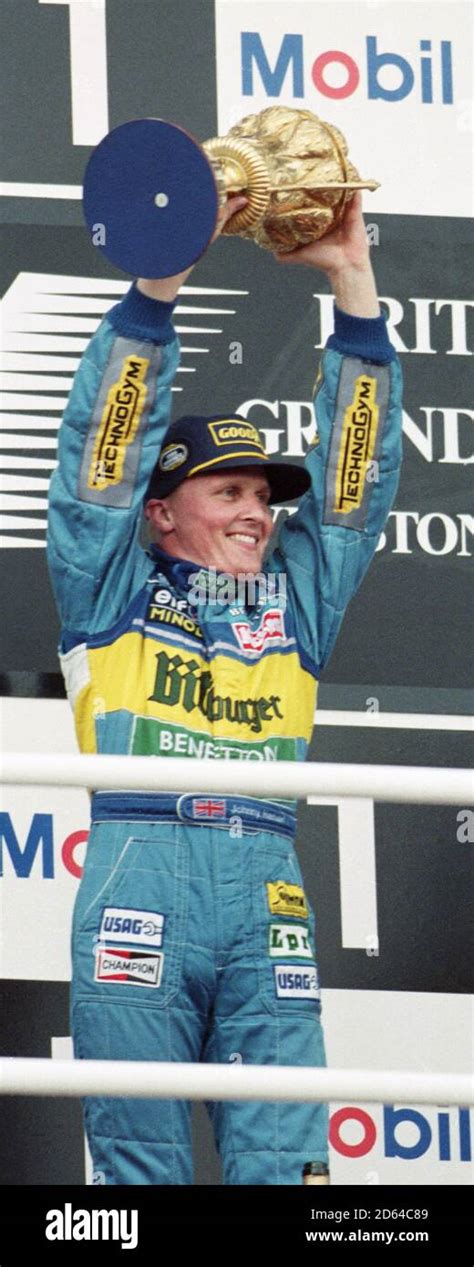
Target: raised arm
{"points": [[326, 547], [109, 440], [112, 428]]}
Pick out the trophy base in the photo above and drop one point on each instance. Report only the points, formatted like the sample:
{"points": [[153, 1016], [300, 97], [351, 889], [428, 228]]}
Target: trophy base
{"points": [[150, 198], [240, 169]]}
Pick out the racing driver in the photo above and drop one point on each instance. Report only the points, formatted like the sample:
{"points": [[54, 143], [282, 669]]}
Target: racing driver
{"points": [[193, 939]]}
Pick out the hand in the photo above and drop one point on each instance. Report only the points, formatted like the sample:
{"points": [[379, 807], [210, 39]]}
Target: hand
{"points": [[345, 247], [227, 211], [344, 256]]}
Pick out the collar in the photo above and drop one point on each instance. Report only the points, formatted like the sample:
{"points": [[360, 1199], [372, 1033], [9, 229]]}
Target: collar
{"points": [[177, 570]]}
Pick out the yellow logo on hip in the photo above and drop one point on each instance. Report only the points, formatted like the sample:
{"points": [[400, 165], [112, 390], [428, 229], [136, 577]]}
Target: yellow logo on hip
{"points": [[119, 424], [359, 431], [286, 899]]}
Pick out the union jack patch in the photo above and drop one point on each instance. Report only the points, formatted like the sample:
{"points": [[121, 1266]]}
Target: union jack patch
{"points": [[206, 808]]}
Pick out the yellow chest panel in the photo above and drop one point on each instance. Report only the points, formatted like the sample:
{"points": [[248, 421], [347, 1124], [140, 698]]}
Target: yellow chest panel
{"points": [[225, 696]]}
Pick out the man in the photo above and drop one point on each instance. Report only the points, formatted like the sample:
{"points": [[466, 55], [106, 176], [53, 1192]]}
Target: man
{"points": [[193, 938]]}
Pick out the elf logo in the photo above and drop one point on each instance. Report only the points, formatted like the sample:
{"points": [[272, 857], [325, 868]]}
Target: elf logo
{"points": [[428, 76]]}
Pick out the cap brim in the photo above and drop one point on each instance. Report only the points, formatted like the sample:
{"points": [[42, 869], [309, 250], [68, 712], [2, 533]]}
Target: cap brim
{"points": [[287, 481]]}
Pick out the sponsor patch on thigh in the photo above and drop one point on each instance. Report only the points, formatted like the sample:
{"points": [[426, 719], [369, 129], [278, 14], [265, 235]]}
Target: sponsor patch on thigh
{"points": [[290, 940], [121, 924], [123, 966], [286, 899], [296, 983]]}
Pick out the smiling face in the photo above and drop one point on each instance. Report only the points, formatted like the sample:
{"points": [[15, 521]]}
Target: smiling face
{"points": [[217, 520]]}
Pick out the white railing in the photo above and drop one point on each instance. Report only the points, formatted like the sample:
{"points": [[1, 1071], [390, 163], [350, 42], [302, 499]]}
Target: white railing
{"points": [[250, 777], [149, 1080], [416, 784]]}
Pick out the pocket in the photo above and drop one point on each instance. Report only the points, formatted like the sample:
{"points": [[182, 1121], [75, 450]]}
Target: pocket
{"points": [[130, 917], [284, 934]]}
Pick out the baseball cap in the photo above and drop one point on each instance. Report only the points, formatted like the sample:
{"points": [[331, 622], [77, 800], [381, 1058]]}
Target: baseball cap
{"points": [[198, 445]]}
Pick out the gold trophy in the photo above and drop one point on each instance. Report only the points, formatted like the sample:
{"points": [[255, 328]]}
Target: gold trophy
{"points": [[152, 193], [295, 171]]}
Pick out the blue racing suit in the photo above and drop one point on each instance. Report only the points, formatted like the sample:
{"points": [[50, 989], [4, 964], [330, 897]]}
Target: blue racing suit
{"points": [[193, 939]]}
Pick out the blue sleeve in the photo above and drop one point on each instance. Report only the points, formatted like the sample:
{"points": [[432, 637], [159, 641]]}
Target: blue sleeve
{"points": [[325, 548], [109, 440]]}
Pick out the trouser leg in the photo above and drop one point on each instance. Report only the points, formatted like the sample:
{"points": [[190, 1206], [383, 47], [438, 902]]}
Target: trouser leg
{"points": [[134, 923], [261, 1142], [135, 1141], [267, 1010]]}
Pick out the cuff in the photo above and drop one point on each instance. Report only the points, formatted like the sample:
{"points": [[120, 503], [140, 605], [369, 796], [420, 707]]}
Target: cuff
{"points": [[139, 317], [365, 337]]}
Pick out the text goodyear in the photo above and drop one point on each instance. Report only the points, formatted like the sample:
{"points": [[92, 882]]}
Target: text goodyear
{"points": [[228, 432]]}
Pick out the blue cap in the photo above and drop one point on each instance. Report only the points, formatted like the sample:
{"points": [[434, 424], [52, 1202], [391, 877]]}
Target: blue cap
{"points": [[197, 445]]}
